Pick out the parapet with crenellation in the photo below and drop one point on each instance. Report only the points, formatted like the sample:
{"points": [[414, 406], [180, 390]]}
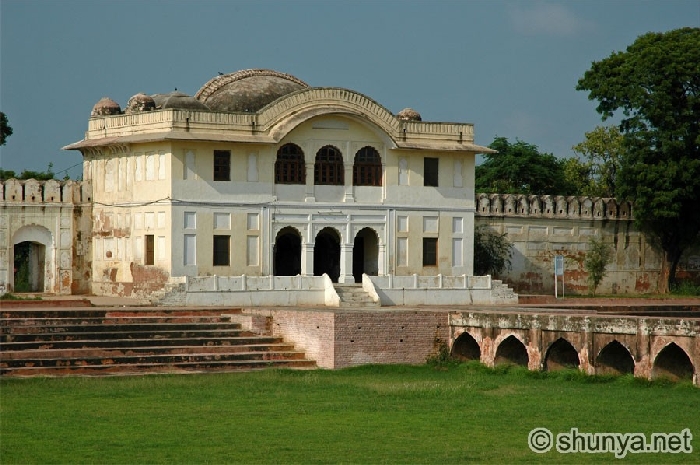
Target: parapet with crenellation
{"points": [[553, 206], [32, 191]]}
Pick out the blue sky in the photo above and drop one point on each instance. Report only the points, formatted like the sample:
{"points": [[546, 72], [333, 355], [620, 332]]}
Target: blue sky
{"points": [[509, 67]]}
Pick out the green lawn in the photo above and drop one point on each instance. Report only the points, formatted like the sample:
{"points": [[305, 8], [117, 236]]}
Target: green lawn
{"points": [[371, 414]]}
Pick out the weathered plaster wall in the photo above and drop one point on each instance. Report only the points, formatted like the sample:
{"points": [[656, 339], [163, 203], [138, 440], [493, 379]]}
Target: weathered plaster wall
{"points": [[541, 227], [56, 216]]}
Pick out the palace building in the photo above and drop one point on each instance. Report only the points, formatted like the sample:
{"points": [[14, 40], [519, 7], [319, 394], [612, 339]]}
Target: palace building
{"points": [[260, 174]]}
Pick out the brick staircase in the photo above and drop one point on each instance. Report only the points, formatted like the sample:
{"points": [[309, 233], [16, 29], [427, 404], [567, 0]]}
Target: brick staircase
{"points": [[117, 342], [352, 295]]}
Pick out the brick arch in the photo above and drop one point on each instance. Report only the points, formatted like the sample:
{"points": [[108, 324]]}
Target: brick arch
{"points": [[466, 347], [614, 358], [511, 350], [674, 363], [560, 355]]}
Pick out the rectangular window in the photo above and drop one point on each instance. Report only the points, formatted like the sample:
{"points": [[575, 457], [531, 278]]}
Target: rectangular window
{"points": [[161, 247], [457, 252], [222, 247], [430, 172], [402, 251], [222, 221], [222, 165], [430, 251], [190, 220], [150, 249], [190, 256]]}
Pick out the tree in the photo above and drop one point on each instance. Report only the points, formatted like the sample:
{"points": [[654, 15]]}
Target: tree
{"points": [[520, 168], [603, 150], [656, 85], [597, 258], [578, 175], [492, 251], [5, 129]]}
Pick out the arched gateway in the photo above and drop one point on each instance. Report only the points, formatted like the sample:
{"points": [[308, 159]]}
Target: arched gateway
{"points": [[287, 253], [33, 259]]}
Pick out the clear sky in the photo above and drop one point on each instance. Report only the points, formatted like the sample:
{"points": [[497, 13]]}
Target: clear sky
{"points": [[509, 67]]}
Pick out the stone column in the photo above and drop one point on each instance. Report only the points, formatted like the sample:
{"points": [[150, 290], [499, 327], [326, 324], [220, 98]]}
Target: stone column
{"points": [[307, 259], [346, 264], [310, 192], [381, 260]]}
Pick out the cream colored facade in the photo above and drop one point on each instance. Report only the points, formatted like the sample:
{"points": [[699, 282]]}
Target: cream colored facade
{"points": [[160, 213]]}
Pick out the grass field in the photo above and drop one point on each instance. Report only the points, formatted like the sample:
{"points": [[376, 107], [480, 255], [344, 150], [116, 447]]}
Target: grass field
{"points": [[372, 414]]}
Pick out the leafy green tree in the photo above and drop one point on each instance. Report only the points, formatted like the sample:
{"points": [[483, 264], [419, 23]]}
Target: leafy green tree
{"points": [[5, 129], [655, 83], [520, 168], [578, 176], [603, 150], [492, 251], [597, 258]]}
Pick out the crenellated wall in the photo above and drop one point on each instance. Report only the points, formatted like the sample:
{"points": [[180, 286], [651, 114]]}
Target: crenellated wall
{"points": [[543, 226], [48, 224]]}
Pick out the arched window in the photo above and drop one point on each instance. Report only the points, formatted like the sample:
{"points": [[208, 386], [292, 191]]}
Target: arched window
{"points": [[367, 170], [289, 167], [328, 168]]}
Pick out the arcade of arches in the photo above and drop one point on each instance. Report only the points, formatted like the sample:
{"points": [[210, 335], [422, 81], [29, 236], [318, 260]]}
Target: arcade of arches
{"points": [[289, 249], [671, 362]]}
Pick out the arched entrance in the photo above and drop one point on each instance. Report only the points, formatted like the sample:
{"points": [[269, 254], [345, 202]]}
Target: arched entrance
{"points": [[673, 363], [614, 359], [287, 253], [465, 347], [561, 355], [32, 259], [327, 254], [511, 351], [365, 254], [29, 267]]}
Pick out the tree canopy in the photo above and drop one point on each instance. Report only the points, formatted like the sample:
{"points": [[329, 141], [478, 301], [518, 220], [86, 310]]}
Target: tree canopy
{"points": [[5, 129], [655, 84], [602, 149], [520, 168]]}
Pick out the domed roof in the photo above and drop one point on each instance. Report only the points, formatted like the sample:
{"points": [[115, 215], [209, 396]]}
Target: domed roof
{"points": [[140, 102], [106, 106], [248, 90], [409, 114], [177, 100]]}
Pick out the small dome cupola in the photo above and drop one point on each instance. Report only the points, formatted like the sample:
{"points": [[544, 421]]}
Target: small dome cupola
{"points": [[140, 102], [105, 107], [409, 114]]}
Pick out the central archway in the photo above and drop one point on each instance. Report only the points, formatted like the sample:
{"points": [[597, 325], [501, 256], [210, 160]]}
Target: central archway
{"points": [[365, 254], [29, 267], [33, 249], [327, 254], [287, 253]]}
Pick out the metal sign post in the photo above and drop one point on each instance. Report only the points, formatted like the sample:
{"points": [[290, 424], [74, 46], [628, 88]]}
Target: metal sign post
{"points": [[558, 271]]}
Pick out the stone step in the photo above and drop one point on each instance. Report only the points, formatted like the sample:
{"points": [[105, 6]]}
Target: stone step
{"points": [[133, 342], [98, 343], [166, 359], [88, 352], [97, 330], [39, 322], [124, 333], [13, 313], [152, 368]]}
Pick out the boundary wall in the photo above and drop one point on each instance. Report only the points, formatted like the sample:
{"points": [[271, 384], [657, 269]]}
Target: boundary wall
{"points": [[541, 227]]}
